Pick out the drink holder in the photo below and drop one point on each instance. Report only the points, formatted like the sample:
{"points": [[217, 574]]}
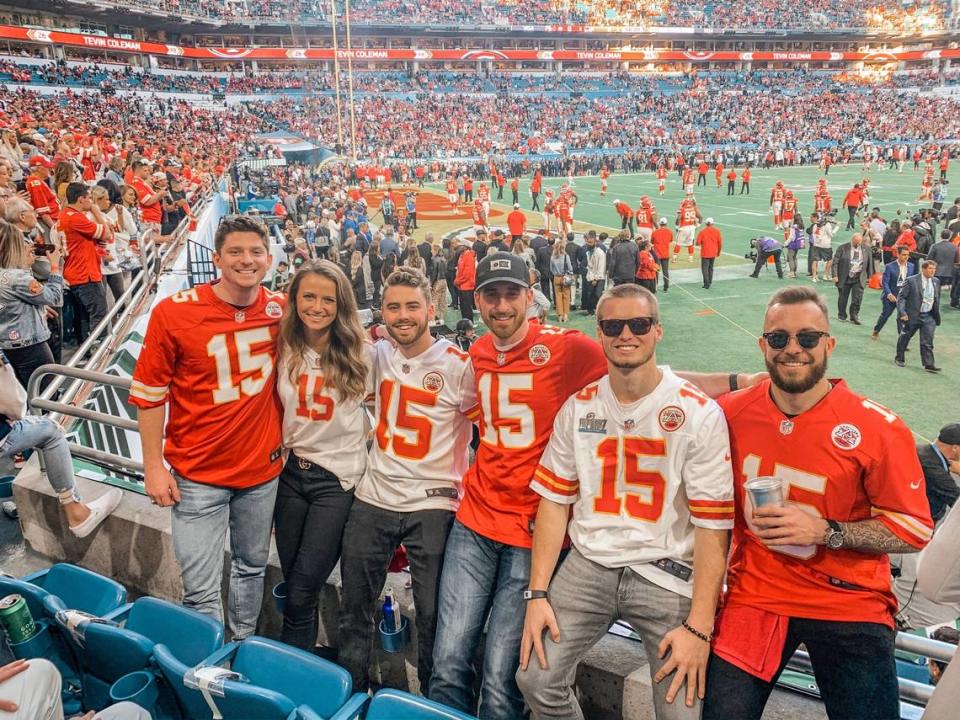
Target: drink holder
{"points": [[208, 680], [394, 642], [139, 687], [38, 646]]}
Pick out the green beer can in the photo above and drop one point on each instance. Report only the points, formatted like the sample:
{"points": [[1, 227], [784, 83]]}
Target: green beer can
{"points": [[16, 619]]}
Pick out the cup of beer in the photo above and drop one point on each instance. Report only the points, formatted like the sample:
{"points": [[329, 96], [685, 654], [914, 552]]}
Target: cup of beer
{"points": [[765, 490]]}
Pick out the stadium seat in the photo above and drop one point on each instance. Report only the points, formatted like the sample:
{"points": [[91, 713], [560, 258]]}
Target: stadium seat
{"points": [[111, 651], [274, 681], [397, 705]]}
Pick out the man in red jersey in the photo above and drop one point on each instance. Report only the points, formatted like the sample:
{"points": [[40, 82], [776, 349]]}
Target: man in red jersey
{"points": [[525, 372], [814, 571], [210, 354]]}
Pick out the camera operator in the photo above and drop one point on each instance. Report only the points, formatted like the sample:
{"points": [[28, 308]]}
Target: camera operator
{"points": [[23, 301], [823, 232], [766, 247]]}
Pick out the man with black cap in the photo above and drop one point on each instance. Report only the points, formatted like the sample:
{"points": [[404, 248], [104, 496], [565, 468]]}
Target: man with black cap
{"points": [[940, 461], [525, 371]]}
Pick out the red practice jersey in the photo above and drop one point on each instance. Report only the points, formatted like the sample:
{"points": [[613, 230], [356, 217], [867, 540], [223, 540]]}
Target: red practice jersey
{"points": [[847, 459], [215, 364], [520, 391]]}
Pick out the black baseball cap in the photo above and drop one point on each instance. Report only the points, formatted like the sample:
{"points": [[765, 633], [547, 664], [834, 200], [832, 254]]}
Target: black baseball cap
{"points": [[502, 267], [950, 434]]}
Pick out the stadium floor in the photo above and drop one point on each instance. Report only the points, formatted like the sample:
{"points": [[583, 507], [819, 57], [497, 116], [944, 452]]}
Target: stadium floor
{"points": [[717, 329]]}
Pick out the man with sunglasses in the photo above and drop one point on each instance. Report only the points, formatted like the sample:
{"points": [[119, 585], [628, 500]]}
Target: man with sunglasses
{"points": [[643, 459], [814, 569]]}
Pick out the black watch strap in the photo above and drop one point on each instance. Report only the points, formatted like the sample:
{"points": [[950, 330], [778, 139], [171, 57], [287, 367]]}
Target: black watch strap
{"points": [[534, 594], [732, 379]]}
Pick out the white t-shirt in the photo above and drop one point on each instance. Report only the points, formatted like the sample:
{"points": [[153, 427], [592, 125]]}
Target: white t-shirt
{"points": [[424, 411], [640, 477], [320, 427]]}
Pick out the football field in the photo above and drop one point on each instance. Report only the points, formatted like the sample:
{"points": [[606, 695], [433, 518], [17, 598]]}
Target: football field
{"points": [[717, 329]]}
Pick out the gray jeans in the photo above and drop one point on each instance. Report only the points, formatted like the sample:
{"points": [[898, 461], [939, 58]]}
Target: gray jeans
{"points": [[586, 598], [44, 434], [199, 524]]}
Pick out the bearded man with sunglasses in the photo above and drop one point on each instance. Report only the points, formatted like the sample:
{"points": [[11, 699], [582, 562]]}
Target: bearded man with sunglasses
{"points": [[814, 570], [643, 459]]}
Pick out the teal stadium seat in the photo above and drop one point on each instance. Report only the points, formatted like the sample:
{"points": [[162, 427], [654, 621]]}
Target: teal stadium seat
{"points": [[397, 705], [111, 651], [275, 682]]}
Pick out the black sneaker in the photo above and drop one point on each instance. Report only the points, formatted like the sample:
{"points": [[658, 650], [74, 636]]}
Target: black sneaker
{"points": [[932, 369], [899, 362]]}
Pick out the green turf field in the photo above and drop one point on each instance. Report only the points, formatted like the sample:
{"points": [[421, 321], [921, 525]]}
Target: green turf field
{"points": [[717, 329]]}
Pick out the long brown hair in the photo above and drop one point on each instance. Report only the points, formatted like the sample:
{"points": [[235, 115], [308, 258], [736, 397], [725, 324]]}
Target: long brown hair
{"points": [[12, 246], [344, 360]]}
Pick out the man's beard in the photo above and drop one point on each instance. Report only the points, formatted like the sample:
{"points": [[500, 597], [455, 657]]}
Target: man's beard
{"points": [[632, 364], [815, 374]]}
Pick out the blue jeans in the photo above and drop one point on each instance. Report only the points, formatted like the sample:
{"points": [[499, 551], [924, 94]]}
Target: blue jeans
{"points": [[43, 434], [482, 582], [199, 524]]}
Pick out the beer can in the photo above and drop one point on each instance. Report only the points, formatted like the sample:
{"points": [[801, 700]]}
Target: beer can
{"points": [[16, 619]]}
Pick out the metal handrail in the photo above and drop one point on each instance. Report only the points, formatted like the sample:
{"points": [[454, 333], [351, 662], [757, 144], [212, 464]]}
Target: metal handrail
{"points": [[64, 409]]}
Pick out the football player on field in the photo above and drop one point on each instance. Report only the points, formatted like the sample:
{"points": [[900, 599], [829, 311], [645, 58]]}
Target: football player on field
{"points": [[426, 398], [643, 459], [814, 568]]}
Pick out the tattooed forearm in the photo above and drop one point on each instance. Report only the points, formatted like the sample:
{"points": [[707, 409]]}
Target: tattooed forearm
{"points": [[872, 536]]}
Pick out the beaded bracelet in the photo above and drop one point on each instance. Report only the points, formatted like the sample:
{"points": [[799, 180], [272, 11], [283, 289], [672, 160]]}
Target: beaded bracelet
{"points": [[688, 628]]}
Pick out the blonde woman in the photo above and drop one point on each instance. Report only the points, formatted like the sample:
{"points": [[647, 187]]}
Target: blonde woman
{"points": [[438, 284], [114, 248], [562, 271], [322, 381], [11, 151]]}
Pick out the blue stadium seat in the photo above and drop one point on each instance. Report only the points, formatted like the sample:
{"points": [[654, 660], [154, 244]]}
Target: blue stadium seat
{"points": [[110, 651], [397, 705], [276, 682]]}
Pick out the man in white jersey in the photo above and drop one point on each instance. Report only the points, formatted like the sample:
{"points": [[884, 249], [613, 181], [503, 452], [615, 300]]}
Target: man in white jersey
{"points": [[426, 400], [644, 459]]}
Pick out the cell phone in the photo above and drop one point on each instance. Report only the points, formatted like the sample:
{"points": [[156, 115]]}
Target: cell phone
{"points": [[39, 250]]}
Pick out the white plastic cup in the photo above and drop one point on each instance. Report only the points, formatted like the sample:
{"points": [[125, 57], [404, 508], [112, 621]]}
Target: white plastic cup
{"points": [[765, 490]]}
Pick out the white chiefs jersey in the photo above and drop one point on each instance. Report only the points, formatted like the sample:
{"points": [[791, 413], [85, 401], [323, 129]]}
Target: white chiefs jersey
{"points": [[320, 427], [640, 477], [425, 407]]}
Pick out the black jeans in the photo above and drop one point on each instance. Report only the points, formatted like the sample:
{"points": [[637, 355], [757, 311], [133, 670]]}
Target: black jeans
{"points": [[369, 541], [731, 186], [853, 214], [706, 269], [93, 297], [27, 359], [665, 271], [309, 517], [849, 289], [592, 290], [466, 304], [762, 260], [927, 326], [115, 282], [745, 187], [852, 661]]}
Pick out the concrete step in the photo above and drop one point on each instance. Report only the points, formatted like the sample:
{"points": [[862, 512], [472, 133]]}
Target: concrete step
{"points": [[134, 547]]}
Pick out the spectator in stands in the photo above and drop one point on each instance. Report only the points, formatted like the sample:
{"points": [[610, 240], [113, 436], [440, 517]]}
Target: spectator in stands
{"points": [[124, 227], [115, 170], [85, 239], [814, 574], [11, 151], [321, 346], [23, 302], [20, 432], [186, 348], [43, 199], [64, 173], [149, 198], [112, 249]]}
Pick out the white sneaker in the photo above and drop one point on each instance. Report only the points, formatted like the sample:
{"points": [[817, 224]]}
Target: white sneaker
{"points": [[99, 510]]}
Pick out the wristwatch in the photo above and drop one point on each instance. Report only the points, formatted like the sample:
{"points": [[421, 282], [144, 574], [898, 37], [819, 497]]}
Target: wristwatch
{"points": [[534, 594], [834, 537]]}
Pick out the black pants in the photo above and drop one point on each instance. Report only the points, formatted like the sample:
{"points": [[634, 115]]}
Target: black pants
{"points": [[627, 223], [701, 180], [762, 260], [592, 290], [466, 305], [955, 289], [706, 269], [516, 197], [93, 297], [650, 285], [309, 516], [852, 661], [412, 217], [369, 541], [927, 326], [849, 289], [115, 284], [536, 197], [745, 186], [27, 359], [852, 211], [453, 293], [468, 195], [731, 186], [889, 308], [55, 341], [500, 192], [665, 272]]}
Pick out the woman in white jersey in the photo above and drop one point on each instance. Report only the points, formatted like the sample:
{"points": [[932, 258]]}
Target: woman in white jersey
{"points": [[322, 382]]}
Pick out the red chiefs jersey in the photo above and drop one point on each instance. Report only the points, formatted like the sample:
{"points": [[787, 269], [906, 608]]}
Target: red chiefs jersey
{"points": [[215, 364], [43, 199], [688, 215], [847, 459], [789, 207], [520, 391], [661, 173], [644, 216]]}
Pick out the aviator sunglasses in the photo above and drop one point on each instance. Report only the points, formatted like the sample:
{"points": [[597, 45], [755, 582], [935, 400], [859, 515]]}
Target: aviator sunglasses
{"points": [[807, 339], [637, 325]]}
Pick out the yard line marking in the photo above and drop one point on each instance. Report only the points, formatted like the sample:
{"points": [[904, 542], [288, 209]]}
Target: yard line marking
{"points": [[710, 307]]}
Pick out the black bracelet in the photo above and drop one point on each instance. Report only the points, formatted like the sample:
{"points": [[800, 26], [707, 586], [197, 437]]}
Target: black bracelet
{"points": [[694, 631], [732, 379]]}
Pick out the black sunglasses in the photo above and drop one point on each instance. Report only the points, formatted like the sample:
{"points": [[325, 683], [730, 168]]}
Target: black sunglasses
{"points": [[807, 339], [637, 325]]}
